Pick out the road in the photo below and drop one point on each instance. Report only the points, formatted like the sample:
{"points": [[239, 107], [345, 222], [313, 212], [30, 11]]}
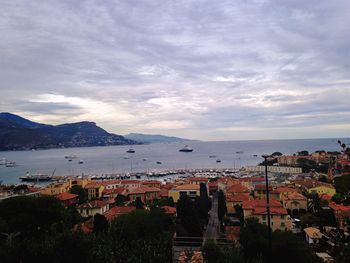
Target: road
{"points": [[213, 227]]}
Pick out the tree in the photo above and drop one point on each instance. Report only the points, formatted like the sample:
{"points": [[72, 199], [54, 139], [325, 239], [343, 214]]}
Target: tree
{"points": [[100, 224], [306, 164], [274, 154], [120, 200], [138, 203], [239, 213], [81, 192], [308, 220], [337, 198], [303, 153], [222, 209], [214, 253], [188, 223]]}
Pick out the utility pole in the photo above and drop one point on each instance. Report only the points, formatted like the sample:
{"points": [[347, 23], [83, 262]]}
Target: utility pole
{"points": [[268, 204]]}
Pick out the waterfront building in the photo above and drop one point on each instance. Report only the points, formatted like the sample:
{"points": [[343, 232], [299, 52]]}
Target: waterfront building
{"points": [[191, 190], [274, 169]]}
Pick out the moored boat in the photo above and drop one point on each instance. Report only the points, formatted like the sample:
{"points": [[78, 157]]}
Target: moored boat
{"points": [[186, 149]]}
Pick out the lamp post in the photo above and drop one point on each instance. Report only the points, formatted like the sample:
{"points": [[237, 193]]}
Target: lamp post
{"points": [[268, 202]]}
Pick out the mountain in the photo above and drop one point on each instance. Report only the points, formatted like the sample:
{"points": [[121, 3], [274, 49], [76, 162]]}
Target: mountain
{"points": [[153, 138], [17, 133]]}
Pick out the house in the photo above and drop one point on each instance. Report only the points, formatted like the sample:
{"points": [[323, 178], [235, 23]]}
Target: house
{"points": [[260, 192], [284, 191], [312, 235], [111, 184], [237, 189], [130, 184], [250, 182], [94, 190], [113, 193], [56, 188], [341, 213], [68, 199], [116, 211], [233, 200], [327, 189], [278, 214], [152, 183], [145, 193], [294, 201], [92, 208], [198, 180], [191, 190]]}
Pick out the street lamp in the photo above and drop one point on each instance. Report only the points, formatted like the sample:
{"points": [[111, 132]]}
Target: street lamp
{"points": [[266, 157]]}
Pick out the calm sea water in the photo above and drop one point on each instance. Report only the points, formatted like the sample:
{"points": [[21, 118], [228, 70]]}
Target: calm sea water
{"points": [[102, 160]]}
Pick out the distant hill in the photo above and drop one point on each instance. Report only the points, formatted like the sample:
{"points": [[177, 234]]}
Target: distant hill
{"points": [[153, 138], [17, 133]]}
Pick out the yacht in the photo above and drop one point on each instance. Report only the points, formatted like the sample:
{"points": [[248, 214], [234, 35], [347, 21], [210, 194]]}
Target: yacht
{"points": [[3, 161], [70, 157], [212, 156], [131, 150], [218, 161], [11, 164], [37, 178], [126, 157], [158, 162], [239, 152], [81, 161], [186, 149]]}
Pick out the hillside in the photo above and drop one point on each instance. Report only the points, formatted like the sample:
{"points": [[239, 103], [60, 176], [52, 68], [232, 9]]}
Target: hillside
{"points": [[150, 138], [17, 133]]}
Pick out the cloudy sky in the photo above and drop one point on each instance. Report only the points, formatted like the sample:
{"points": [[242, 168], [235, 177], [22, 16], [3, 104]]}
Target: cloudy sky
{"points": [[203, 69]]}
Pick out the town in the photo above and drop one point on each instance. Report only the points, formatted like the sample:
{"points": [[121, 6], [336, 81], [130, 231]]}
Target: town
{"points": [[302, 207]]}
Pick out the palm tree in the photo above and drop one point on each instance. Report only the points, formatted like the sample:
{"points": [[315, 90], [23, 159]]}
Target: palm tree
{"points": [[314, 204]]}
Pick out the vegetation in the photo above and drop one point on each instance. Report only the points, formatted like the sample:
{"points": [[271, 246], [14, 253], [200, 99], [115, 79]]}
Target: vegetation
{"points": [[81, 192], [120, 200], [222, 209], [188, 221], [214, 253], [286, 247]]}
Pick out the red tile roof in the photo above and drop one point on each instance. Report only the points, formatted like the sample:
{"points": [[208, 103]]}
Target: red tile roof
{"points": [[339, 208], [238, 198], [237, 188], [143, 190], [93, 185], [116, 211], [295, 196], [118, 190], [66, 196], [169, 210], [188, 187], [325, 197]]}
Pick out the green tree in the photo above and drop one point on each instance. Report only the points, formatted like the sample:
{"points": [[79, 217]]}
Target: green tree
{"points": [[276, 154], [214, 253], [138, 203], [81, 192], [100, 224], [120, 200], [188, 223]]}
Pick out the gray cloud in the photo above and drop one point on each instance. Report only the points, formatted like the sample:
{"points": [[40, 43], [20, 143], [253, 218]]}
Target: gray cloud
{"points": [[208, 69]]}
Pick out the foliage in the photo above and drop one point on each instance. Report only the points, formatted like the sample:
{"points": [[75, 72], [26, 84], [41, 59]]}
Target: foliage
{"points": [[337, 198], [188, 223], [214, 253], [138, 203], [120, 200], [222, 209], [303, 153], [239, 213], [81, 192], [100, 224], [32, 215], [306, 164], [286, 247], [309, 219], [342, 184], [276, 154], [168, 201]]}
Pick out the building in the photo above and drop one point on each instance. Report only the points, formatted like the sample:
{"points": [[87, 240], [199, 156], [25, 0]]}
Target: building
{"points": [[113, 193], [323, 188], [341, 213], [116, 211], [278, 214], [56, 188], [92, 208], [131, 184], [191, 190], [233, 200], [198, 180], [94, 190], [152, 183], [274, 169], [260, 192], [312, 235], [237, 189], [294, 202], [145, 193], [68, 199], [292, 160]]}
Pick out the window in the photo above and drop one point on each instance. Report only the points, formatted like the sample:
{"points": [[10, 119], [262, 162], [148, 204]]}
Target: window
{"points": [[283, 224], [264, 217], [282, 216]]}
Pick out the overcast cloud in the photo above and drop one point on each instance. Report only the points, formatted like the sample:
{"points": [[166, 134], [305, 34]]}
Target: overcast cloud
{"points": [[211, 70]]}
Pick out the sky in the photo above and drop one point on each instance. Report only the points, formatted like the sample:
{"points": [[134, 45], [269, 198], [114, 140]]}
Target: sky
{"points": [[201, 69]]}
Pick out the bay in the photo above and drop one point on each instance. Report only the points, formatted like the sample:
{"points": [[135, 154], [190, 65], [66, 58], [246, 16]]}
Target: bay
{"points": [[106, 160]]}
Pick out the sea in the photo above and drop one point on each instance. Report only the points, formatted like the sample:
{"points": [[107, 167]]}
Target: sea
{"points": [[155, 157]]}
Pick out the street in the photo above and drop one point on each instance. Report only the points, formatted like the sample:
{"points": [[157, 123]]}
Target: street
{"points": [[213, 227]]}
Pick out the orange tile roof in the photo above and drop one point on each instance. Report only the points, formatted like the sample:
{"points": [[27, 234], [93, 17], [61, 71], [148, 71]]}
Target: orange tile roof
{"points": [[238, 198], [116, 211], [188, 187], [93, 185], [237, 188], [143, 190], [313, 232], [295, 196], [66, 196], [118, 190], [169, 210]]}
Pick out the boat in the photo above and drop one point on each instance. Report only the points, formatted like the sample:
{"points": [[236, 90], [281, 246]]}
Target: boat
{"points": [[81, 162], [186, 149], [144, 159], [37, 178], [239, 152], [158, 162], [212, 156], [11, 164], [3, 161], [218, 161], [138, 176], [131, 150], [70, 157], [255, 155], [126, 157]]}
